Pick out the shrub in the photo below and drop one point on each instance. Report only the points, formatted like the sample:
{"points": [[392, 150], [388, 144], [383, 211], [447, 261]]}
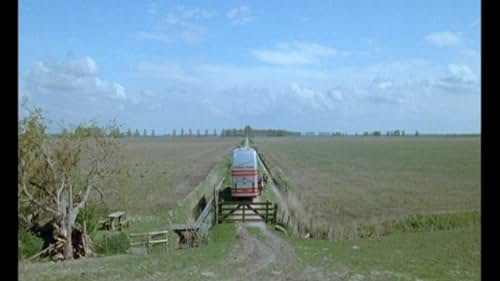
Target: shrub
{"points": [[109, 243], [29, 245], [89, 215]]}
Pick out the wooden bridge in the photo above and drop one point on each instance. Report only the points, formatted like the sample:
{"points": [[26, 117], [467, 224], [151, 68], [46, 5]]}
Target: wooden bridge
{"points": [[192, 233]]}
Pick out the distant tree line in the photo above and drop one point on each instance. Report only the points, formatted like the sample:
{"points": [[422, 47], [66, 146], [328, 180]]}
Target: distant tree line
{"points": [[324, 134], [189, 133], [257, 132], [393, 133], [137, 134], [94, 130]]}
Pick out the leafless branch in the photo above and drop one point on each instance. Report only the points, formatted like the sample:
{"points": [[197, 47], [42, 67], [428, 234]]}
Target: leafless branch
{"points": [[43, 188], [58, 195], [33, 200]]}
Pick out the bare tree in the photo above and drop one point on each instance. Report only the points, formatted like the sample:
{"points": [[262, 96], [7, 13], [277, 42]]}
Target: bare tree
{"points": [[56, 176]]}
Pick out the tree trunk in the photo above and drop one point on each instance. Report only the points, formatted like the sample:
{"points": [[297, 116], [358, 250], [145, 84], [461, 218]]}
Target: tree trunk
{"points": [[69, 222], [68, 247]]}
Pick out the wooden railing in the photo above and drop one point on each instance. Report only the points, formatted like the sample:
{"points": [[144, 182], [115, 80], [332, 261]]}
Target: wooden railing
{"points": [[149, 239]]}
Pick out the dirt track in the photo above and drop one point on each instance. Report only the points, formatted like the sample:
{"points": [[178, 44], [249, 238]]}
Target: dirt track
{"points": [[263, 255], [259, 255]]}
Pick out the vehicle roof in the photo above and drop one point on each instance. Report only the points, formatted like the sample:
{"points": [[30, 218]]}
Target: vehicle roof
{"points": [[243, 149], [244, 157]]}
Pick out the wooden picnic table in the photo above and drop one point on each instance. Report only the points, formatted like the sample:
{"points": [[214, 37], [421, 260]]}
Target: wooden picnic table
{"points": [[115, 220]]}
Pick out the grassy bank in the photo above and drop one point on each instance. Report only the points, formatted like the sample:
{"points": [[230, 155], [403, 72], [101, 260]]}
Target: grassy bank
{"points": [[452, 254], [189, 264]]}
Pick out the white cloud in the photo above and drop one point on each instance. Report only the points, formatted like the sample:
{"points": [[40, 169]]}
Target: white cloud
{"points": [[264, 95], [85, 66], [315, 98], [240, 15], [460, 79], [444, 39], [385, 99], [463, 73], [295, 53], [119, 91], [195, 13], [164, 71], [302, 92], [382, 83], [158, 36], [72, 78], [183, 32], [179, 26]]}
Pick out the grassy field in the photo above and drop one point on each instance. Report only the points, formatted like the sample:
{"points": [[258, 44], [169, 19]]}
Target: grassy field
{"points": [[188, 264], [421, 255], [432, 255], [433, 182], [159, 172], [368, 180], [161, 180]]}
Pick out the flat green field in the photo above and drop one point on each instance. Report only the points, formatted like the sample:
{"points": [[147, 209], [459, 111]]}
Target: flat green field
{"points": [[339, 180], [436, 255], [159, 172], [345, 179], [398, 256]]}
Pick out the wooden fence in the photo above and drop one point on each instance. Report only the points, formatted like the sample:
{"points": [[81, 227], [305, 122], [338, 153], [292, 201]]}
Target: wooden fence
{"points": [[149, 239], [232, 211]]}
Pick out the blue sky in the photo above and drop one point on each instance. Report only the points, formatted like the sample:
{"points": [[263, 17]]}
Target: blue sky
{"points": [[345, 66]]}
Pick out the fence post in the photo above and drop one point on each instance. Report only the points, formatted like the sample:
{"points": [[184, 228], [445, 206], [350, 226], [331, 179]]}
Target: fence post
{"points": [[244, 212], [267, 208], [166, 243], [219, 212], [215, 207], [150, 237], [275, 212]]}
